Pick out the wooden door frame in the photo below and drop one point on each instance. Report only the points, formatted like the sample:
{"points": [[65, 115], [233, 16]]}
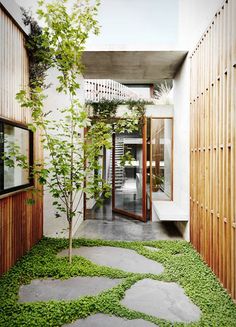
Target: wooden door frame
{"points": [[150, 168], [142, 217]]}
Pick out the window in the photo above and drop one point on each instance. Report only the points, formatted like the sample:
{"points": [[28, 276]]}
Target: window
{"points": [[161, 142], [14, 178]]}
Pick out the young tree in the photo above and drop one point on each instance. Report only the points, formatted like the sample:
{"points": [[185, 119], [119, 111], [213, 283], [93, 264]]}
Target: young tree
{"points": [[71, 158], [59, 45]]}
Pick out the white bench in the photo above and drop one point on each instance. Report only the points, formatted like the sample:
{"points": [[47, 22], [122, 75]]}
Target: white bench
{"points": [[168, 211]]}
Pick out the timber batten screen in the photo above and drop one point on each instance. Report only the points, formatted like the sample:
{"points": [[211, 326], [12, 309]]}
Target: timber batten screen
{"points": [[212, 149]]}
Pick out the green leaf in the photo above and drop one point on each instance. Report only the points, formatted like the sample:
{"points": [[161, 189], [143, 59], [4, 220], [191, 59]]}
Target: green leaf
{"points": [[30, 201]]}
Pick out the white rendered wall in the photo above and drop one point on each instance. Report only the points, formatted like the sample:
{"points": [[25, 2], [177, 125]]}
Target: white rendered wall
{"points": [[181, 177], [58, 227], [143, 91]]}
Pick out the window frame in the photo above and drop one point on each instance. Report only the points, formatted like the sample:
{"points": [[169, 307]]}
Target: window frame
{"points": [[172, 155], [4, 121]]}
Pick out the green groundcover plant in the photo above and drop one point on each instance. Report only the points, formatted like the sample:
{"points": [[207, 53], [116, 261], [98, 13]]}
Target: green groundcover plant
{"points": [[187, 269]]}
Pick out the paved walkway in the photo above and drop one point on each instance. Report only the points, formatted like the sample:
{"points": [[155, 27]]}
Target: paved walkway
{"points": [[103, 223], [101, 320], [152, 297], [124, 259], [161, 299], [164, 300], [68, 289], [127, 230]]}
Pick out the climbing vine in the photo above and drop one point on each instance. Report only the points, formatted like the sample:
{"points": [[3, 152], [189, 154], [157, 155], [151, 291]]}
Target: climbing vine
{"points": [[138, 106], [104, 109], [107, 109], [40, 59]]}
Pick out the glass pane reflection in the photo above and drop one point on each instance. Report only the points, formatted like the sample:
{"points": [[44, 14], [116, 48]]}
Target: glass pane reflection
{"points": [[128, 177], [161, 142]]}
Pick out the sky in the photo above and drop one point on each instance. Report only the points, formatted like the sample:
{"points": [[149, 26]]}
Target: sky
{"points": [[137, 22], [133, 22]]}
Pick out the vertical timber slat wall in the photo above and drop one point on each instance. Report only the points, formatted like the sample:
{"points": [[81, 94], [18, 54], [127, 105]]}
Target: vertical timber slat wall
{"points": [[213, 146], [21, 225]]}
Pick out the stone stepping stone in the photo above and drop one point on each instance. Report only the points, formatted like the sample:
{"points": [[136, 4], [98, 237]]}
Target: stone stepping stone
{"points": [[124, 259], [101, 320], [68, 289], [162, 300], [151, 248]]}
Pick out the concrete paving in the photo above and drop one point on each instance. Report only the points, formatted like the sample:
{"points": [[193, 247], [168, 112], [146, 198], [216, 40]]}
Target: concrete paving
{"points": [[124, 259], [103, 223], [161, 299], [127, 230], [101, 320], [151, 248], [69, 289]]}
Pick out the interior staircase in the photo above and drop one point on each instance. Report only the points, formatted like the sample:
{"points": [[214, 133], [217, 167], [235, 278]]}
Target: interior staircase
{"points": [[119, 170]]}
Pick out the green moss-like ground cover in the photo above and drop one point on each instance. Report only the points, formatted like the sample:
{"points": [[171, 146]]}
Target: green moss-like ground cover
{"points": [[187, 269]]}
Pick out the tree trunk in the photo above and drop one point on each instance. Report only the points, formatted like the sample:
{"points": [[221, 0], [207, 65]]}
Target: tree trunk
{"points": [[70, 241]]}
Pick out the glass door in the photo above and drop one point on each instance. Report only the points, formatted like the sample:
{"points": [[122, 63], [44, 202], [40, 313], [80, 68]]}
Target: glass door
{"points": [[129, 177]]}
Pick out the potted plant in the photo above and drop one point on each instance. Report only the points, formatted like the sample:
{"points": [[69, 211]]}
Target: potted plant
{"points": [[157, 182]]}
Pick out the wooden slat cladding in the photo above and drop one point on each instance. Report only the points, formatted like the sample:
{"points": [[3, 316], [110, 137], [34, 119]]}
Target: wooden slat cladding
{"points": [[21, 225], [13, 68], [20, 228], [213, 146]]}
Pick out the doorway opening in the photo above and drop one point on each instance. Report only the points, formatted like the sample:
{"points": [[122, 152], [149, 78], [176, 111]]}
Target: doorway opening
{"points": [[146, 178]]}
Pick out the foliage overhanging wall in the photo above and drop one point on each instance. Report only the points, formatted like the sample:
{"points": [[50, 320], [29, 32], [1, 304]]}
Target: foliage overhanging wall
{"points": [[213, 147]]}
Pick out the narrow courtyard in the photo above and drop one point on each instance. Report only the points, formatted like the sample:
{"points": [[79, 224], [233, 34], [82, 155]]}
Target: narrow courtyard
{"points": [[117, 163]]}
